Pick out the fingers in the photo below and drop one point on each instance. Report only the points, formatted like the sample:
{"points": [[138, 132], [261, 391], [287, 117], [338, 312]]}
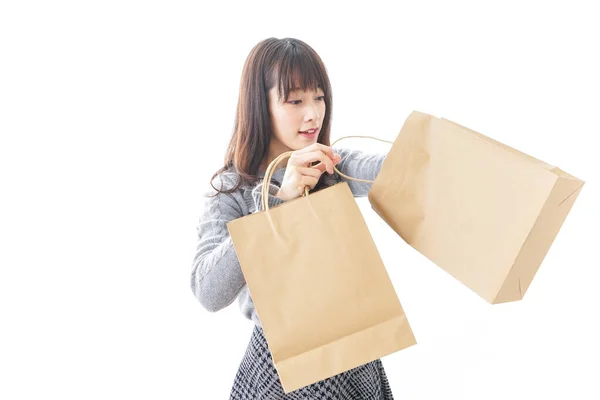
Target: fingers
{"points": [[309, 171], [308, 176], [322, 167], [307, 180], [304, 174], [305, 158]]}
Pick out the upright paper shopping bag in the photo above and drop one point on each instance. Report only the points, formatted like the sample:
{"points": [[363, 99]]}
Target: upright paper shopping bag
{"points": [[482, 211], [321, 291]]}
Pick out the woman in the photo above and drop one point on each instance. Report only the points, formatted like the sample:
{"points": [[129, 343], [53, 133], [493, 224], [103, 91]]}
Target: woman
{"points": [[284, 105]]}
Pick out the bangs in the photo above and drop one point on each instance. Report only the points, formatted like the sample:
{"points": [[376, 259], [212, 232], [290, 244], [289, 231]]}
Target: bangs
{"points": [[298, 70]]}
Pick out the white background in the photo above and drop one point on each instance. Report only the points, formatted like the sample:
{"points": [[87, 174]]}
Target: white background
{"points": [[114, 114]]}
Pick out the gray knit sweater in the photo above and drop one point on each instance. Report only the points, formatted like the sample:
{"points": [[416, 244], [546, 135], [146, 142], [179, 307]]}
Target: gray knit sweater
{"points": [[217, 278]]}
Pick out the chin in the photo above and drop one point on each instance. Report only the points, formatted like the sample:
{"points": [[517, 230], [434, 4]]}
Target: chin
{"points": [[306, 141], [304, 144], [299, 144]]}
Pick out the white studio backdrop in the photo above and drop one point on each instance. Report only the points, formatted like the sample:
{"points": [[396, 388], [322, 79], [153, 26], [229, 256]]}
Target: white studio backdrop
{"points": [[114, 115]]}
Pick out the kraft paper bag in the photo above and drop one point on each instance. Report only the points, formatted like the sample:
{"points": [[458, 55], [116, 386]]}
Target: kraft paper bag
{"points": [[482, 211], [321, 291]]}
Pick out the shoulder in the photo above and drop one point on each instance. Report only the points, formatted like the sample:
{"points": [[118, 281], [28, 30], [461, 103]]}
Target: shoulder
{"points": [[220, 198], [224, 181]]}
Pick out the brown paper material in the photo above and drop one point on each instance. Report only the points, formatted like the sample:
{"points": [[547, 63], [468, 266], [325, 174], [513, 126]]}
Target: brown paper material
{"points": [[322, 293], [484, 212]]}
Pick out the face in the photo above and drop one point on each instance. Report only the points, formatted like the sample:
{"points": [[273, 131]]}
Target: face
{"points": [[295, 119]]}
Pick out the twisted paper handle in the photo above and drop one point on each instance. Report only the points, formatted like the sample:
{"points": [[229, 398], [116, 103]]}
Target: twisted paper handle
{"points": [[269, 175], [283, 156], [363, 137]]}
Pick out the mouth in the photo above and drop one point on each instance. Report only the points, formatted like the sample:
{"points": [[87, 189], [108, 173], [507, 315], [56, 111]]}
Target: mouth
{"points": [[309, 133]]}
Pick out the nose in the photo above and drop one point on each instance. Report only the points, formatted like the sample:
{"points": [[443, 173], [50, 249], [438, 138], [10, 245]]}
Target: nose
{"points": [[312, 112]]}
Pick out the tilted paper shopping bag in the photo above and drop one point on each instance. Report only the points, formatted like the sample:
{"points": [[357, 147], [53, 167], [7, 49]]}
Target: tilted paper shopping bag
{"points": [[482, 211]]}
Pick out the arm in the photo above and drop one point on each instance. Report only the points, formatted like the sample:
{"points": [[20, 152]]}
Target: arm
{"points": [[217, 277], [357, 164]]}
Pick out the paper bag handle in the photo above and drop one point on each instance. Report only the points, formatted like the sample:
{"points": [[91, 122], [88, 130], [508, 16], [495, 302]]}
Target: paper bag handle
{"points": [[269, 175], [363, 137], [282, 156]]}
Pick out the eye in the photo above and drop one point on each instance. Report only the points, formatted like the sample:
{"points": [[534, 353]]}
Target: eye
{"points": [[294, 102], [321, 98]]}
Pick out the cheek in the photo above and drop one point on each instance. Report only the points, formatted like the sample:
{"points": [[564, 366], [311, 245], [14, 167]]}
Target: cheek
{"points": [[289, 120], [322, 111], [285, 122], [278, 117]]}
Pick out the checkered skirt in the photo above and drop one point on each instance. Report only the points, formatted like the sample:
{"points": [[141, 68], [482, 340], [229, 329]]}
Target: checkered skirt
{"points": [[257, 379]]}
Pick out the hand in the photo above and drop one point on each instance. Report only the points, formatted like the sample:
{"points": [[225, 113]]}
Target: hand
{"points": [[300, 172]]}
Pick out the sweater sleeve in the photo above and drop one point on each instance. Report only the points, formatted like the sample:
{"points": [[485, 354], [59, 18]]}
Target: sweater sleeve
{"points": [[217, 277], [257, 196], [361, 165]]}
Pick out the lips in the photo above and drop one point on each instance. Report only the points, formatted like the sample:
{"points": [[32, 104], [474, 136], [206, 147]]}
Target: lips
{"points": [[309, 131]]}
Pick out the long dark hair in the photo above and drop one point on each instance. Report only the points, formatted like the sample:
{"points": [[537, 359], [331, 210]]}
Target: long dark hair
{"points": [[286, 63]]}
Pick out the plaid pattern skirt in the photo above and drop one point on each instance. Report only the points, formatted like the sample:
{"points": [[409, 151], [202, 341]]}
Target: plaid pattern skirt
{"points": [[257, 379]]}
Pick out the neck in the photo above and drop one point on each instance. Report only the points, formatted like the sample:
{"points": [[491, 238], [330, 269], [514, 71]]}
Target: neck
{"points": [[275, 149]]}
